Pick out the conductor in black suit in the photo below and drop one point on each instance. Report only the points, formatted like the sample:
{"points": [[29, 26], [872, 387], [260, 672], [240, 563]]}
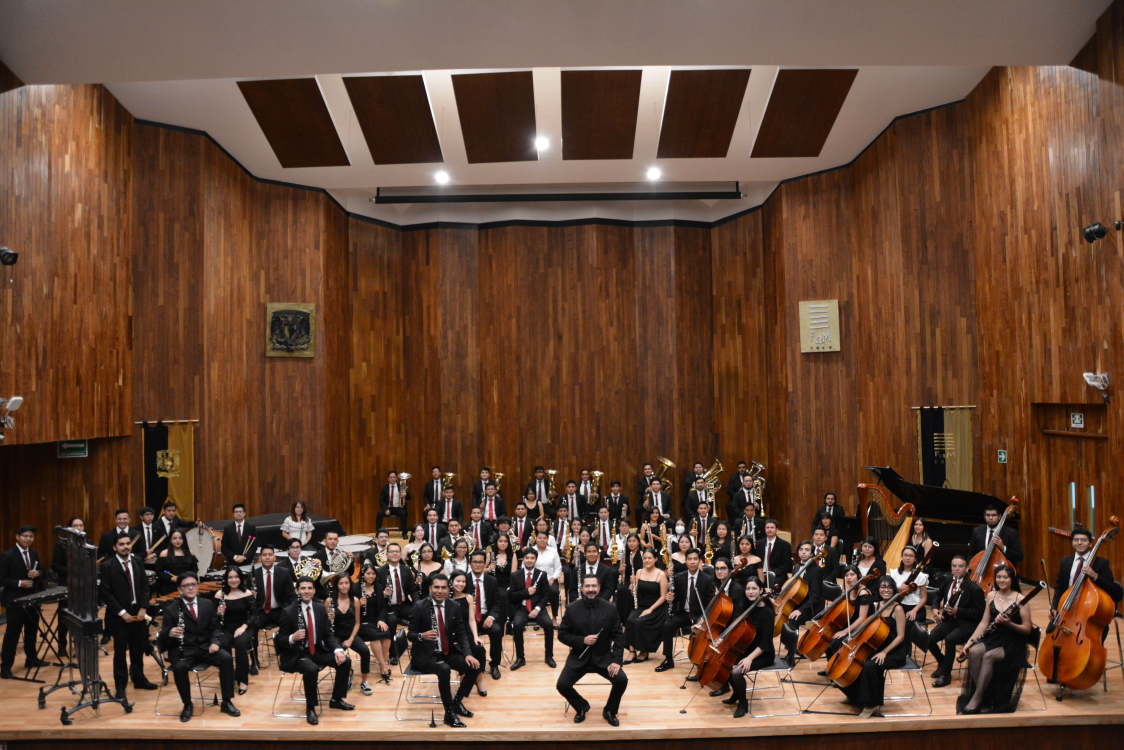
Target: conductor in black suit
{"points": [[693, 589], [239, 539], [1008, 542], [196, 643], [392, 502], [21, 574], [958, 610], [310, 648], [441, 649], [592, 629], [775, 554], [124, 589]]}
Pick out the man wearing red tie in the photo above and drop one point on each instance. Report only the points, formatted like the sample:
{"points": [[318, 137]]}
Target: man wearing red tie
{"points": [[521, 525], [441, 645], [603, 533], [490, 603], [775, 554], [492, 506], [449, 508], [479, 530], [435, 531], [392, 502], [124, 589], [306, 644], [527, 595]]}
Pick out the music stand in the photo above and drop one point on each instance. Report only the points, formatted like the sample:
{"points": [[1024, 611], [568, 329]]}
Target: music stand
{"points": [[81, 618]]}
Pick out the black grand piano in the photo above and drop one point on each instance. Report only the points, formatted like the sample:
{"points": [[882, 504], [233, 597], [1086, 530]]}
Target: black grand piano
{"points": [[950, 514]]}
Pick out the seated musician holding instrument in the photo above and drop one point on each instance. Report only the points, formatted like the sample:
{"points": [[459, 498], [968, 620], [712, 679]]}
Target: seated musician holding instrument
{"points": [[859, 600], [276, 590], [331, 552], [997, 661], [809, 607], [830, 532], [528, 597], [776, 556], [958, 610], [828, 563], [869, 558], [489, 602], [913, 600], [196, 641], [239, 539], [869, 688], [305, 643], [592, 629], [344, 615], [238, 610], [760, 653], [919, 537], [1096, 570], [20, 574], [695, 587], [292, 557], [441, 645]]}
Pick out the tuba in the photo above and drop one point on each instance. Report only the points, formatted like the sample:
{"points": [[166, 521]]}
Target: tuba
{"points": [[447, 479], [403, 478], [497, 477], [711, 476], [665, 483], [755, 469]]}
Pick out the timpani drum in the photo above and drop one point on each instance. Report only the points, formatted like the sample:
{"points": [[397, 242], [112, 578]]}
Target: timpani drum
{"points": [[356, 539], [205, 545]]}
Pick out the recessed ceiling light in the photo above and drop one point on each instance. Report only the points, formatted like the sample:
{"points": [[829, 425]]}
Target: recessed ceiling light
{"points": [[542, 143], [654, 173], [441, 177]]}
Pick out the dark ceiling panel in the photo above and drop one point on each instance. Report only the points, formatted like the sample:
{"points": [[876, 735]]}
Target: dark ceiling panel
{"points": [[396, 119], [497, 113], [801, 112], [599, 113], [295, 120], [700, 113]]}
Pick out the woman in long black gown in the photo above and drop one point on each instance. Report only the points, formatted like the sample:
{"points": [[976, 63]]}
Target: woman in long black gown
{"points": [[238, 606], [997, 663], [502, 558], [749, 563], [173, 562], [630, 561], [869, 688], [760, 653], [644, 633]]}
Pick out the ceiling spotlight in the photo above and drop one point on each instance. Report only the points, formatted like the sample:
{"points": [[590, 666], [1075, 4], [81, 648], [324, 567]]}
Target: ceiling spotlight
{"points": [[1093, 232], [441, 177], [542, 143], [8, 257], [654, 173]]}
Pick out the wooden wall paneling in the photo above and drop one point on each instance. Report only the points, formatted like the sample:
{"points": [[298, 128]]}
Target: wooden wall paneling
{"points": [[336, 327], [295, 120], [778, 466], [599, 109], [801, 111], [700, 112], [497, 114], [65, 205], [396, 118]]}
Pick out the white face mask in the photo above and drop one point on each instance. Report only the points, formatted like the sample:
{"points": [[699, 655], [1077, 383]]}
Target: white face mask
{"points": [[680, 529]]}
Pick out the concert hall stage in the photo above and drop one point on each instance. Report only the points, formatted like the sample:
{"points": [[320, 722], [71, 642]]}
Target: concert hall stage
{"points": [[523, 706]]}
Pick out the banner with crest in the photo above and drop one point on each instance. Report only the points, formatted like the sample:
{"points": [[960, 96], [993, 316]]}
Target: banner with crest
{"points": [[169, 466]]}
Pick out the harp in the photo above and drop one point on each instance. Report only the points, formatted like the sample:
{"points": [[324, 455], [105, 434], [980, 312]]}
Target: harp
{"points": [[890, 528]]}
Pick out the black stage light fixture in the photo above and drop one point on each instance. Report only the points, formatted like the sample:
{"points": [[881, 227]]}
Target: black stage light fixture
{"points": [[8, 257], [1093, 232]]}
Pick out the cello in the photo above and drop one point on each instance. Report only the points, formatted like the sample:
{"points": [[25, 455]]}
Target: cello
{"points": [[1073, 653], [845, 666], [835, 616], [793, 593], [714, 619], [730, 646], [984, 563]]}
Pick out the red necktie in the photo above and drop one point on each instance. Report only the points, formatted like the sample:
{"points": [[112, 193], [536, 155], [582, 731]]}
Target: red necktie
{"points": [[955, 585], [191, 608], [397, 587], [433, 535], [311, 635], [605, 536], [479, 591], [476, 533], [519, 533], [1077, 569], [132, 588], [491, 510], [441, 631], [268, 590], [529, 607]]}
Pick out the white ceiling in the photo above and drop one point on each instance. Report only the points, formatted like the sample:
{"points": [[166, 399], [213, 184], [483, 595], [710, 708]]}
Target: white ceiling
{"points": [[177, 62]]}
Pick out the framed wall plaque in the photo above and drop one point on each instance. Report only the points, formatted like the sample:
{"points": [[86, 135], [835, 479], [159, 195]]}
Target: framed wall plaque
{"points": [[290, 329]]}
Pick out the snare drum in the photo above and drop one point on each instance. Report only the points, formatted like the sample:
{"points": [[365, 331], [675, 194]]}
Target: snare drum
{"points": [[205, 545]]}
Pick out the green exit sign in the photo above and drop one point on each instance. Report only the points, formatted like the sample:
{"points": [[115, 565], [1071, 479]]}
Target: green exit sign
{"points": [[1002, 457], [73, 449]]}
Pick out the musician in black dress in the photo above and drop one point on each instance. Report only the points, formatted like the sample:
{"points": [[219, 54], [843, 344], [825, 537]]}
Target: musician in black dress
{"points": [[760, 653], [238, 609], [504, 557], [198, 641], [592, 629], [344, 613], [997, 662], [172, 562], [1096, 570], [830, 509], [645, 630], [240, 538], [694, 587], [1006, 542], [869, 688], [958, 610], [440, 645], [860, 601], [831, 533], [20, 574], [373, 629], [629, 560], [124, 589]]}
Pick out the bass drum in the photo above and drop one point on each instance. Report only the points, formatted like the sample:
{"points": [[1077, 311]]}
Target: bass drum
{"points": [[205, 545]]}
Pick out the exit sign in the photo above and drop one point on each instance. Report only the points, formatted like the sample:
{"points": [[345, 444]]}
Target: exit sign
{"points": [[1002, 457], [1076, 420], [73, 449]]}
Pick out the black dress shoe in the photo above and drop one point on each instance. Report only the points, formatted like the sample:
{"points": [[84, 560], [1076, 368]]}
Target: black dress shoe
{"points": [[518, 664], [451, 720], [611, 718], [5, 674], [185, 715], [495, 673], [936, 674], [242, 691], [732, 700], [743, 709], [942, 680], [253, 670], [579, 715], [720, 691], [665, 665], [459, 709], [341, 704], [310, 717], [228, 708], [34, 662], [551, 663], [393, 660], [146, 685], [693, 678]]}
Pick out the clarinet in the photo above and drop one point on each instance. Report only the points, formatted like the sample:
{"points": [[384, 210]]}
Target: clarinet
{"points": [[671, 589], [301, 625], [180, 624], [222, 612], [433, 620]]}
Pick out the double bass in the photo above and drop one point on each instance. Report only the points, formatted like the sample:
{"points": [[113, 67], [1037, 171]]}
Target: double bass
{"points": [[714, 620], [724, 652], [983, 564], [835, 616], [1073, 652], [792, 593]]}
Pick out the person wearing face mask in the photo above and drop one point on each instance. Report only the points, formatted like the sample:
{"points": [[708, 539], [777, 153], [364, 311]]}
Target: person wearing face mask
{"points": [[678, 529]]}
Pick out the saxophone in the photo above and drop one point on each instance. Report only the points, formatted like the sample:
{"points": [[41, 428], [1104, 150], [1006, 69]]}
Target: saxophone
{"points": [[614, 550], [709, 554], [665, 552]]}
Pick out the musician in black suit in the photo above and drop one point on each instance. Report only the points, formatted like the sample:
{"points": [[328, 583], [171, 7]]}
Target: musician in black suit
{"points": [[775, 554], [590, 498], [435, 531], [644, 484], [540, 485], [1096, 570], [809, 607], [124, 589], [734, 486], [1007, 542], [197, 642], [274, 585], [107, 543], [448, 507], [592, 629], [601, 532], [292, 557], [481, 485], [491, 608], [527, 596], [479, 530], [397, 588], [828, 563], [654, 497], [693, 589], [152, 534], [695, 496], [743, 497], [441, 645], [522, 526], [703, 524], [392, 502], [615, 502], [331, 551], [492, 506], [958, 609], [571, 500], [170, 520], [590, 563], [748, 524], [310, 648], [433, 488], [830, 509], [239, 539], [696, 473], [21, 574]]}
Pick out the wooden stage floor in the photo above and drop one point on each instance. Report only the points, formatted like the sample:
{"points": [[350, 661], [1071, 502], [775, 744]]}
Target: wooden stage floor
{"points": [[524, 706]]}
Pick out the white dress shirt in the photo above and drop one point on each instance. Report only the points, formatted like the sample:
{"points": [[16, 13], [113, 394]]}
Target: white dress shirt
{"points": [[548, 561]]}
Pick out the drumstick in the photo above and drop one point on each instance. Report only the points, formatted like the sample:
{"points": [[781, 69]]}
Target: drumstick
{"points": [[249, 542], [158, 543]]}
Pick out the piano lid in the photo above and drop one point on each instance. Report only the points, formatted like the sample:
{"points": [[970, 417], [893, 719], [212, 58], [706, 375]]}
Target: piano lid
{"points": [[937, 503]]}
